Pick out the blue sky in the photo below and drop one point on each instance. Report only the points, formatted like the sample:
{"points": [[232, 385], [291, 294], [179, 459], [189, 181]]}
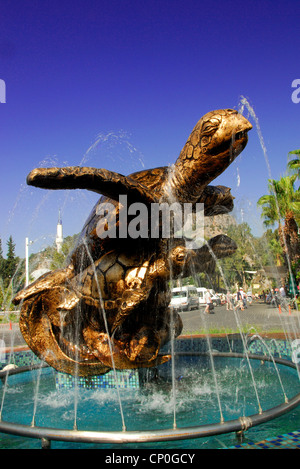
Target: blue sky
{"points": [[120, 84]]}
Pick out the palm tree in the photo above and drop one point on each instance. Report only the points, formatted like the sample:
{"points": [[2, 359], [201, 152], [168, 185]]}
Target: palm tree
{"points": [[268, 204], [294, 164], [282, 205]]}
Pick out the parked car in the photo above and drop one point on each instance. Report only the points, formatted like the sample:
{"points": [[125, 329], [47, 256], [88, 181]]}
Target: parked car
{"points": [[185, 298]]}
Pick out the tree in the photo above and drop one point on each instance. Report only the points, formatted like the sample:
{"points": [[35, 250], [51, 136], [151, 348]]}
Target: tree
{"points": [[11, 272], [50, 258], [282, 206], [274, 248], [294, 164], [2, 261], [236, 267], [11, 264], [59, 258]]}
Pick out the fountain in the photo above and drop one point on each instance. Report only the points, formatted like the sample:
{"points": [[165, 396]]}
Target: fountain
{"points": [[107, 312], [112, 299]]}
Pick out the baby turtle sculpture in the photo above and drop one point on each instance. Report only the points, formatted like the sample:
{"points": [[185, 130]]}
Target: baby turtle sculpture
{"points": [[109, 307]]}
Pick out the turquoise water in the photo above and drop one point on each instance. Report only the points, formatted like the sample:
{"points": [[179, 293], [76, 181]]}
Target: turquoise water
{"points": [[152, 406]]}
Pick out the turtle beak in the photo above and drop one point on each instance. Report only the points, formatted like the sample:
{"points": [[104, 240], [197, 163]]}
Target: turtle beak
{"points": [[240, 134], [242, 127]]}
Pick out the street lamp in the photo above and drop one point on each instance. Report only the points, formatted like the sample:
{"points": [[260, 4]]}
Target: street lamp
{"points": [[27, 243]]}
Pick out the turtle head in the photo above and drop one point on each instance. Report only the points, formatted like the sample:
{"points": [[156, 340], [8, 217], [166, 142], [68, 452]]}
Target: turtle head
{"points": [[216, 140], [221, 133]]}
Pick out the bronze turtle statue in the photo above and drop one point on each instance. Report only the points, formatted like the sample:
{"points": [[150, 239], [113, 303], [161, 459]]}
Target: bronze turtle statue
{"points": [[109, 307]]}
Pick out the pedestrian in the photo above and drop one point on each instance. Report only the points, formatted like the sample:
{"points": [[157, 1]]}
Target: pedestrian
{"points": [[244, 298], [208, 302], [282, 292], [229, 301], [239, 301]]}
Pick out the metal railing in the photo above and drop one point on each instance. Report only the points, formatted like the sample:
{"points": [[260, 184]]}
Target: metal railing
{"points": [[239, 425]]}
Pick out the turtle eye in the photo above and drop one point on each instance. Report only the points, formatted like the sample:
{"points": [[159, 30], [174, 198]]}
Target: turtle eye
{"points": [[209, 127]]}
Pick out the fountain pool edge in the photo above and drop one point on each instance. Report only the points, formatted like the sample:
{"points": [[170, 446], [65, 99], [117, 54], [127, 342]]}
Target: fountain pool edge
{"points": [[122, 437]]}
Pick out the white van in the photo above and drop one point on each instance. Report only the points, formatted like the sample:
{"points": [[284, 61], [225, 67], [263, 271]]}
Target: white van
{"points": [[201, 294], [185, 298]]}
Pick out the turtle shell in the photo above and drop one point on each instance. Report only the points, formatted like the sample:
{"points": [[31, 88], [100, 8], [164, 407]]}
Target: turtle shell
{"points": [[89, 247]]}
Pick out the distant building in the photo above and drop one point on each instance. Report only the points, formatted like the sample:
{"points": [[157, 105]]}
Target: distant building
{"points": [[59, 234]]}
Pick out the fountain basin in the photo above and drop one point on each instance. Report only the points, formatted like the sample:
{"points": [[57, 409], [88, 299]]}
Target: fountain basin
{"points": [[155, 411]]}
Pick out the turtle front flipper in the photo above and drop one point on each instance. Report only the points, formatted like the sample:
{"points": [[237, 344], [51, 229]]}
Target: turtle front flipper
{"points": [[45, 283], [102, 181], [204, 259]]}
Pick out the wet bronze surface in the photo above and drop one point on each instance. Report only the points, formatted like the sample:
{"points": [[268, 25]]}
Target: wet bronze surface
{"points": [[110, 305]]}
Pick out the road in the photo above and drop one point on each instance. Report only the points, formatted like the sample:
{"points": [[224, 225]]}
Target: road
{"points": [[257, 317]]}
